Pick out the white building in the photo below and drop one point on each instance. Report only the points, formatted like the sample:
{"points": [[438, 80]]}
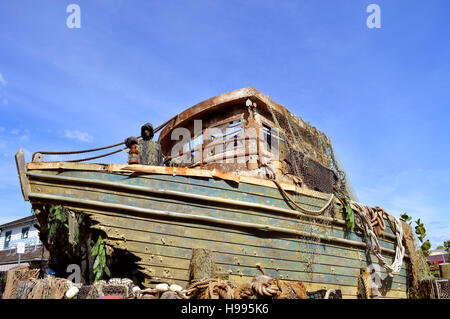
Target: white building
{"points": [[21, 231]]}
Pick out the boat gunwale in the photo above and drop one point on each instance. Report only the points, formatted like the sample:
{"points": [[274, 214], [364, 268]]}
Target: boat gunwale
{"points": [[175, 171]]}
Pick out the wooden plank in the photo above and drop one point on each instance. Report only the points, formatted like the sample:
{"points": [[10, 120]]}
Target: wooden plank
{"points": [[225, 257], [308, 200], [162, 170], [192, 239], [233, 193], [78, 203], [245, 192], [202, 210], [150, 252], [162, 273], [249, 239], [319, 263], [273, 246], [21, 170], [151, 260]]}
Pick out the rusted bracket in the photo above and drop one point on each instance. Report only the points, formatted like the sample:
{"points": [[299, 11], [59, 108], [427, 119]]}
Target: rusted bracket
{"points": [[21, 170]]}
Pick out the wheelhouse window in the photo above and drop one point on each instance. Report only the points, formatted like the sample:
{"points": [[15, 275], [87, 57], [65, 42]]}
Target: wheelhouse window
{"points": [[267, 131], [274, 142], [235, 130], [224, 137], [196, 148]]}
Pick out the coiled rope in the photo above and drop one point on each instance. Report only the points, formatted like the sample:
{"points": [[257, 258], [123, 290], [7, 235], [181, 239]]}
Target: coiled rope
{"points": [[364, 290], [261, 287], [374, 245]]}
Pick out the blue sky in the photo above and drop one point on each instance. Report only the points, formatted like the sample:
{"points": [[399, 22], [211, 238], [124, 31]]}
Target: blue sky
{"points": [[382, 95]]}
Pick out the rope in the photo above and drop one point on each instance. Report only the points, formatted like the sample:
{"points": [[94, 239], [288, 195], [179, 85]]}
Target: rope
{"points": [[99, 156], [312, 212], [244, 291], [377, 213], [268, 287], [210, 289], [280, 289], [374, 245], [96, 149], [364, 291], [81, 151]]}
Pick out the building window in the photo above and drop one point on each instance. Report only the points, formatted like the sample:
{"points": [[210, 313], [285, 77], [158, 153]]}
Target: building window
{"points": [[25, 232], [7, 240]]}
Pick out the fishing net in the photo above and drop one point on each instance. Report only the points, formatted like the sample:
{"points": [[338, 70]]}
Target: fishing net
{"points": [[16, 275], [314, 174], [49, 288], [414, 258], [119, 286], [118, 289], [84, 292], [325, 294], [24, 288], [444, 289], [434, 289], [96, 290], [309, 154]]}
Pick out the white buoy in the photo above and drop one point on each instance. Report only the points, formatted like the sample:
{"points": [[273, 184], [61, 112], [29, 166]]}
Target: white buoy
{"points": [[162, 287], [175, 288], [72, 292], [136, 289]]}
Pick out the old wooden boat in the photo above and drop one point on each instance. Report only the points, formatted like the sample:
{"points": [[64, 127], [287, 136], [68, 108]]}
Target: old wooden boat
{"points": [[257, 212]]}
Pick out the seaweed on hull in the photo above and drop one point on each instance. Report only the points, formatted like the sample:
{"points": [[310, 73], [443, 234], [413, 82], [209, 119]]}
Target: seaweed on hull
{"points": [[69, 238]]}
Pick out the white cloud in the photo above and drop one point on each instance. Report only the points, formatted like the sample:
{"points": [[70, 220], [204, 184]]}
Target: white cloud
{"points": [[2, 80], [77, 135]]}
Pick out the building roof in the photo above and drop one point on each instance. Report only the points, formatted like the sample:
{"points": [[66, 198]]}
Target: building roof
{"points": [[438, 252], [19, 221]]}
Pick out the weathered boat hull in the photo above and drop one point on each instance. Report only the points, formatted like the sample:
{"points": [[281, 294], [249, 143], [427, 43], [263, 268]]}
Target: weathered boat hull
{"points": [[161, 214]]}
